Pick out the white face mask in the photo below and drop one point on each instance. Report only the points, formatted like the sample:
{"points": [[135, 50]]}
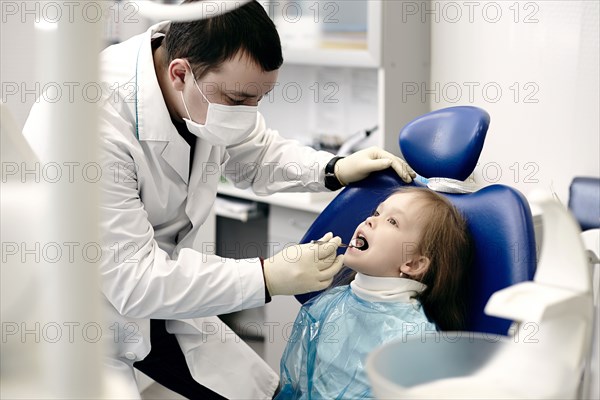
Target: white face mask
{"points": [[225, 125]]}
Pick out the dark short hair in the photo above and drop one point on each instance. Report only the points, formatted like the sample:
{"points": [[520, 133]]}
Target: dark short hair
{"points": [[210, 42]]}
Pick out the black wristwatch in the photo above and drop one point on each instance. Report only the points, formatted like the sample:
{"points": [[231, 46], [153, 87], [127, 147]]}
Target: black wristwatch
{"points": [[331, 181]]}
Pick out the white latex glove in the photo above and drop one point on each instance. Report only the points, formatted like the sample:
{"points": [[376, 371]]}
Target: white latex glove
{"points": [[303, 268], [359, 165]]}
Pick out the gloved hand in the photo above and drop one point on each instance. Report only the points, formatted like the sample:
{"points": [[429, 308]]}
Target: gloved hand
{"points": [[359, 165], [303, 268]]}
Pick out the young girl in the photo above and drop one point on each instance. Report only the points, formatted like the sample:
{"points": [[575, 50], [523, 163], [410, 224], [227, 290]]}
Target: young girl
{"points": [[410, 262]]}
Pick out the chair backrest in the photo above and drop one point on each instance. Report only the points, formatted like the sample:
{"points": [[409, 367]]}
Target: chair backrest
{"points": [[584, 201], [498, 217]]}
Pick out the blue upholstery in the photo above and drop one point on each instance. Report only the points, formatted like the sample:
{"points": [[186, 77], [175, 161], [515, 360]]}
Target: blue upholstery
{"points": [[498, 218], [584, 202], [446, 155]]}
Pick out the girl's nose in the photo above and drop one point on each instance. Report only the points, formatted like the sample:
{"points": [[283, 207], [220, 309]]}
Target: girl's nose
{"points": [[370, 222]]}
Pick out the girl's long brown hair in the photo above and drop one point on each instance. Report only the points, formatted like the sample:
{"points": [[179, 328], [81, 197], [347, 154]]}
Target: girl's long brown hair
{"points": [[446, 242]]}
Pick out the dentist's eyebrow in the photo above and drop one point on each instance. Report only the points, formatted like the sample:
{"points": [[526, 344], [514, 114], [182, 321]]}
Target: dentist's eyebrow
{"points": [[244, 94]]}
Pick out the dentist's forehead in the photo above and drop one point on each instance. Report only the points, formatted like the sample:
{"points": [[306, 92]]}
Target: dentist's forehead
{"points": [[243, 74]]}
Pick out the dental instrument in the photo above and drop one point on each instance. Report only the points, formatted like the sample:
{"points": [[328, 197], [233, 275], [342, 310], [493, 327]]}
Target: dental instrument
{"points": [[358, 243], [324, 242]]}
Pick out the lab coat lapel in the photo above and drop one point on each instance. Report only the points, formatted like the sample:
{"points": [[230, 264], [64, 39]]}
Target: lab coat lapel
{"points": [[154, 120], [177, 155], [204, 179]]}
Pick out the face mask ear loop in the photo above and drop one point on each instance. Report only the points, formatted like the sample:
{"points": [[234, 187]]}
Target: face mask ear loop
{"points": [[196, 83], [184, 105]]}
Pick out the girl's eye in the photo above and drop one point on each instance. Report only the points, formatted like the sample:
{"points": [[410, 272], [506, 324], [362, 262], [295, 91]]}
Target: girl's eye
{"points": [[392, 221], [375, 213]]}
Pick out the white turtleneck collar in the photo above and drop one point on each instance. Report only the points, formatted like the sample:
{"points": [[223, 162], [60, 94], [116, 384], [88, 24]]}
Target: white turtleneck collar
{"points": [[380, 289]]}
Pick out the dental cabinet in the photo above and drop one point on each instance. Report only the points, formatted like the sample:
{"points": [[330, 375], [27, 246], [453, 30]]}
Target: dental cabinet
{"points": [[348, 67]]}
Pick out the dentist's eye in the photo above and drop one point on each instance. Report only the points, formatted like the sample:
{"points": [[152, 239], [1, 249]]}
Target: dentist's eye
{"points": [[236, 102]]}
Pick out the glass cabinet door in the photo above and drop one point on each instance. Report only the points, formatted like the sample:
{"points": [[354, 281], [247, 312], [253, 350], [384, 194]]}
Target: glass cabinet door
{"points": [[328, 32]]}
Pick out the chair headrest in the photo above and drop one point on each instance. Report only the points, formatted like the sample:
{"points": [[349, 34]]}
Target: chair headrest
{"points": [[445, 143]]}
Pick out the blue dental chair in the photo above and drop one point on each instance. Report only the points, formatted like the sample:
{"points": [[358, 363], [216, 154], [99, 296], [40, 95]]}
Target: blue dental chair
{"points": [[584, 201], [447, 144]]}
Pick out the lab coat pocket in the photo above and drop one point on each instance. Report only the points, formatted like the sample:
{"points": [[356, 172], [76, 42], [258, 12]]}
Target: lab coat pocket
{"points": [[217, 357]]}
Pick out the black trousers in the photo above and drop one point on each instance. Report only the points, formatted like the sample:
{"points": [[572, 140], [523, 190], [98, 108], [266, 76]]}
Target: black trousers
{"points": [[166, 365]]}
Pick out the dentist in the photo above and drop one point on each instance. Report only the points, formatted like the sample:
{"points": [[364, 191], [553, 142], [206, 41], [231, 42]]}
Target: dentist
{"points": [[179, 110]]}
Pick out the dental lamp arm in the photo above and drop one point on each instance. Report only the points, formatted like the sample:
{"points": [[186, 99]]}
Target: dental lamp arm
{"points": [[187, 12]]}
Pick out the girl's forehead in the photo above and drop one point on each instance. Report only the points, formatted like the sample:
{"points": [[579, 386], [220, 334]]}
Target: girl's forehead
{"points": [[401, 198], [410, 204]]}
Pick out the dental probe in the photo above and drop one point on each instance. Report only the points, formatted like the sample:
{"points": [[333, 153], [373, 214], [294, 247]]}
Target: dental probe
{"points": [[323, 242], [357, 243]]}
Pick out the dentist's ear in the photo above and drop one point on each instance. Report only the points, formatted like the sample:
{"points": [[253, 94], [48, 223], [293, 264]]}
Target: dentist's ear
{"points": [[416, 267], [177, 73]]}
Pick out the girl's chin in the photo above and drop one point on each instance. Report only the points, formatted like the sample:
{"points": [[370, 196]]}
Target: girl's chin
{"points": [[354, 265]]}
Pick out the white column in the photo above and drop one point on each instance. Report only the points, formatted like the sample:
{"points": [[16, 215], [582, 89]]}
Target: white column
{"points": [[68, 57]]}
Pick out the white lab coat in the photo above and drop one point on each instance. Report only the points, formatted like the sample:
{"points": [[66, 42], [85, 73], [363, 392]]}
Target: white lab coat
{"points": [[153, 264]]}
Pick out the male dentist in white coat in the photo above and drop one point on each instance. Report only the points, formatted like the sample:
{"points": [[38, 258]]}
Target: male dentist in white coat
{"points": [[179, 110]]}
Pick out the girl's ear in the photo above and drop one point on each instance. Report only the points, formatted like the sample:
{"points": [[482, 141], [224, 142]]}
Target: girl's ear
{"points": [[177, 73], [416, 267]]}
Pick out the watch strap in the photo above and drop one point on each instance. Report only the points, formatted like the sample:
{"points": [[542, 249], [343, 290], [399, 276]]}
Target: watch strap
{"points": [[331, 181]]}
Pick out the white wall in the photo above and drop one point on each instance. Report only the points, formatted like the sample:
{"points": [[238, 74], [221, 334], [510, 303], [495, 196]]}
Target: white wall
{"points": [[17, 64], [551, 52], [19, 69], [550, 49]]}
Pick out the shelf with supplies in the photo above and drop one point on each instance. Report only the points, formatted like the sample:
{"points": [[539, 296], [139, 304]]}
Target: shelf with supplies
{"points": [[347, 67], [239, 209], [330, 58], [304, 201], [331, 33]]}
